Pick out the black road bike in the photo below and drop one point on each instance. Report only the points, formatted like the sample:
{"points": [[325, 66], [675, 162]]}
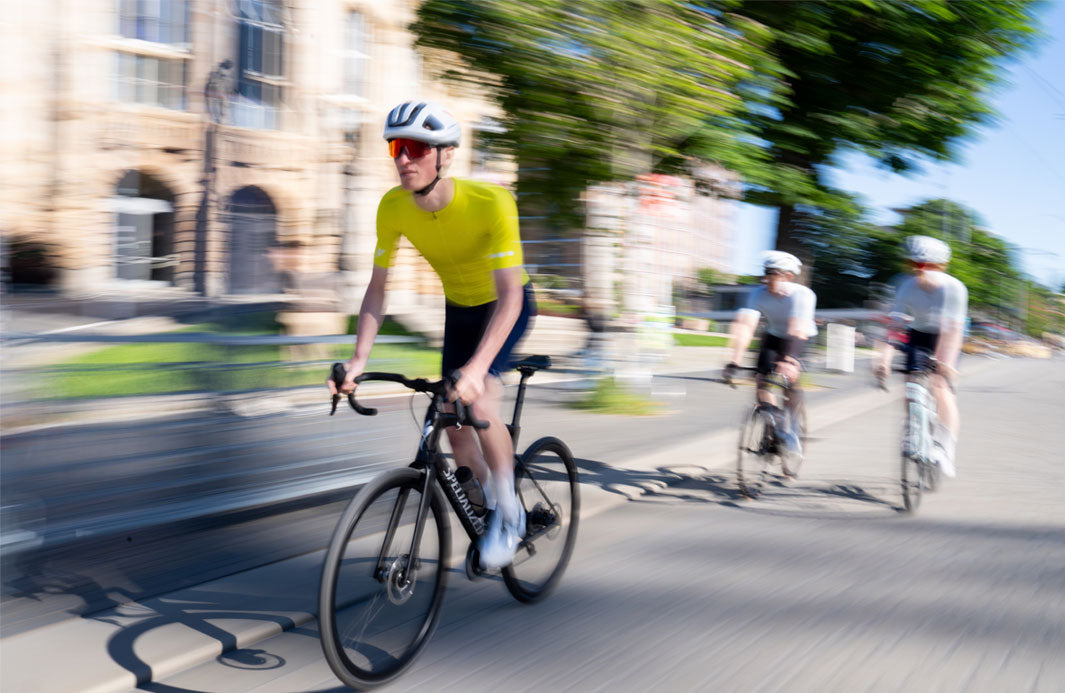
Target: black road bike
{"points": [[760, 446], [386, 568]]}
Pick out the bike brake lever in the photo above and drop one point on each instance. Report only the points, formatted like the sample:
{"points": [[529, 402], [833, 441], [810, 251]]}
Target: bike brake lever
{"points": [[333, 409]]}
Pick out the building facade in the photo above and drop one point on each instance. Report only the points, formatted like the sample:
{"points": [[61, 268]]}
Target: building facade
{"points": [[214, 147]]}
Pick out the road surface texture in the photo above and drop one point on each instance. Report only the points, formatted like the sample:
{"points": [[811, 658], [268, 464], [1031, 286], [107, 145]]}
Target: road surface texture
{"points": [[822, 585]]}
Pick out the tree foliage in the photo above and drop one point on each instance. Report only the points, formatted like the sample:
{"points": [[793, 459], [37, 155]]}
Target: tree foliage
{"points": [[602, 91], [847, 254], [899, 81]]}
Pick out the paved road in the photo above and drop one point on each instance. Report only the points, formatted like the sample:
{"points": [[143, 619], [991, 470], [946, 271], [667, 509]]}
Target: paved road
{"points": [[822, 585], [150, 507]]}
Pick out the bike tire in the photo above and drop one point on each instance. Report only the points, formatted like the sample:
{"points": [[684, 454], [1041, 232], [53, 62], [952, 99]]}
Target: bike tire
{"points": [[912, 478], [365, 642], [754, 452], [548, 487], [792, 464]]}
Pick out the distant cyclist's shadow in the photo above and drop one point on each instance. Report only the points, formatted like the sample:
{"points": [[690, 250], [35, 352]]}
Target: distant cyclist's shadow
{"points": [[696, 484], [683, 483], [829, 499]]}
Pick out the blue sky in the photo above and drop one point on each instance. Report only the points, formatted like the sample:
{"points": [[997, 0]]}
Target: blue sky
{"points": [[1011, 173]]}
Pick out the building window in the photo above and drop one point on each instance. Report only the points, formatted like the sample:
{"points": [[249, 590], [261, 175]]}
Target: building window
{"points": [[356, 55], [153, 81], [158, 21], [149, 79], [261, 69]]}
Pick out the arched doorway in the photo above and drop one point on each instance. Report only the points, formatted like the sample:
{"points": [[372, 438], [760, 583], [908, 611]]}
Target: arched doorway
{"points": [[144, 229], [252, 237]]}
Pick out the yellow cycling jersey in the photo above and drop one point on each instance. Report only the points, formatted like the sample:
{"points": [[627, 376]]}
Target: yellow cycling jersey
{"points": [[465, 242]]}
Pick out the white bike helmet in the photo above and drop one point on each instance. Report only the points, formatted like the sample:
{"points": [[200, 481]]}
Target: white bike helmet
{"points": [[424, 121], [928, 250], [781, 261]]}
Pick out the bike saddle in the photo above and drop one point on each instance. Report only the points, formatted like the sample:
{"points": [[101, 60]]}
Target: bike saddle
{"points": [[531, 364]]}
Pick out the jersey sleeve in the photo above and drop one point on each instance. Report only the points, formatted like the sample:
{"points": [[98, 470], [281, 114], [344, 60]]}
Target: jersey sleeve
{"points": [[754, 303], [504, 238], [387, 237], [802, 309], [900, 303], [955, 305]]}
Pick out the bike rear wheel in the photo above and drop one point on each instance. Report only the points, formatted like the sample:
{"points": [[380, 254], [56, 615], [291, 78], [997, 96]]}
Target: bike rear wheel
{"points": [[913, 482], [377, 607], [545, 478], [755, 452]]}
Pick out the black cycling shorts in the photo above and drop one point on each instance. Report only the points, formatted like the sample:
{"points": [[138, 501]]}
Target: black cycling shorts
{"points": [[464, 326], [919, 346], [774, 349]]}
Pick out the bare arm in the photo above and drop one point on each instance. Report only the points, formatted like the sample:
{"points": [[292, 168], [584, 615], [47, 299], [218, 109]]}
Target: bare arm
{"points": [[741, 331], [507, 309], [952, 326], [949, 344], [370, 313], [797, 328]]}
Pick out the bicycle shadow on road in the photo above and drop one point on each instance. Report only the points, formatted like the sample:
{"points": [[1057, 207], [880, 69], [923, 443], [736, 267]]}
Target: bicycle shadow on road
{"points": [[198, 611], [821, 498], [686, 482], [829, 499]]}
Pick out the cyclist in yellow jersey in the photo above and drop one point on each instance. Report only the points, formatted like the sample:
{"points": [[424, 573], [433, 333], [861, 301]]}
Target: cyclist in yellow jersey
{"points": [[468, 232]]}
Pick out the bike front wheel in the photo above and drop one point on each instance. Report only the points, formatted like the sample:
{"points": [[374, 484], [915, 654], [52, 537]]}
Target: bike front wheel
{"points": [[545, 478], [913, 482], [755, 452], [381, 591], [790, 461]]}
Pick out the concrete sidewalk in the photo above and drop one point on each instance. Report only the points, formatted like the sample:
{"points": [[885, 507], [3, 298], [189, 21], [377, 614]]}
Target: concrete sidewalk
{"points": [[146, 641]]}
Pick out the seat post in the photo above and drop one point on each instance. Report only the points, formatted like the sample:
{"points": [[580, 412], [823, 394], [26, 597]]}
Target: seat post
{"points": [[519, 403]]}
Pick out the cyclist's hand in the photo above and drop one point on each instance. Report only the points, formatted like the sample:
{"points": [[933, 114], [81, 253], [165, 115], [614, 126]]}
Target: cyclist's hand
{"points": [[353, 369], [946, 371], [470, 385], [789, 369]]}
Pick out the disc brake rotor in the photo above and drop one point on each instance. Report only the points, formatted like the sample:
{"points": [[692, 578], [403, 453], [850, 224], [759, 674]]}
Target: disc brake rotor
{"points": [[399, 582]]}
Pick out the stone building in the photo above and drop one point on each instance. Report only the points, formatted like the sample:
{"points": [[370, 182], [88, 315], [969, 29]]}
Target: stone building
{"points": [[212, 147]]}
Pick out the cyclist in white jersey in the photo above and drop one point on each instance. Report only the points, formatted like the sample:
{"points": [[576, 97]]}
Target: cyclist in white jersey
{"points": [[936, 305], [789, 312]]}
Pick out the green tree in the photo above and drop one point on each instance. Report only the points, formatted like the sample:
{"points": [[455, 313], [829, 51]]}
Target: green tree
{"points": [[601, 91], [846, 253], [707, 278], [899, 81], [1044, 311]]}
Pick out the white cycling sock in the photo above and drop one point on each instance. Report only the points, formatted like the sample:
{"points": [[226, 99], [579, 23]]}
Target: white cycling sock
{"points": [[505, 498], [489, 496]]}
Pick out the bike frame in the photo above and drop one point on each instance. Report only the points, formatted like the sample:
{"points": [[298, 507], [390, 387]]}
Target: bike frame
{"points": [[436, 472], [922, 416]]}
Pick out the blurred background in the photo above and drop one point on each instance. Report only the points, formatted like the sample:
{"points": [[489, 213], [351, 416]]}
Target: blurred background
{"points": [[187, 218]]}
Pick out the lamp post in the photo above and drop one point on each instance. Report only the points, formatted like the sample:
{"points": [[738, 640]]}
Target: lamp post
{"points": [[214, 93]]}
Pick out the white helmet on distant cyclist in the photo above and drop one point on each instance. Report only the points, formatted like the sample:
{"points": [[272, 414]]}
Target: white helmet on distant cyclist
{"points": [[782, 262], [927, 250], [424, 121]]}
